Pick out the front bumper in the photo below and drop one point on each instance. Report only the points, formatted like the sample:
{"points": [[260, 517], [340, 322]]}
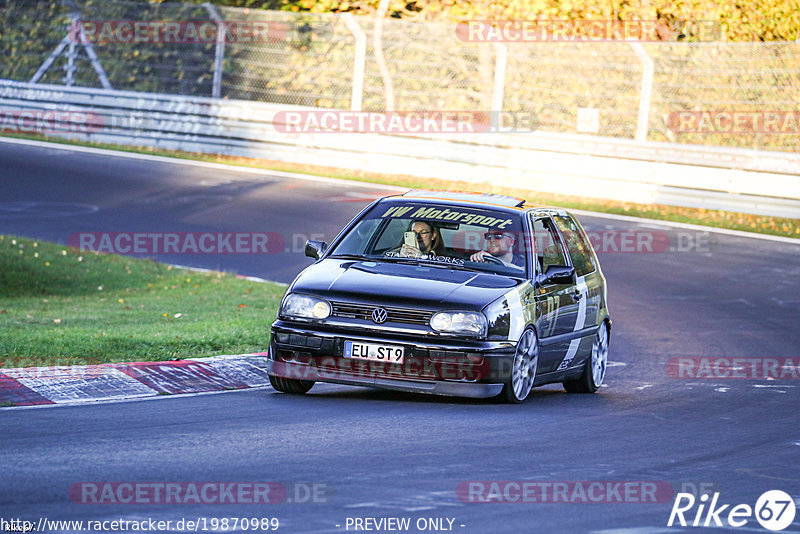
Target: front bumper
{"points": [[450, 366], [455, 389]]}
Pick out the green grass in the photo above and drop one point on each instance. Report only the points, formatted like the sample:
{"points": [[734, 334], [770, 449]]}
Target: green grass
{"points": [[63, 306], [763, 224]]}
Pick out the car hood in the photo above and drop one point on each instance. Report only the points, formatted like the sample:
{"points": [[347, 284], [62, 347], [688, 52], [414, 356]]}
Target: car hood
{"points": [[399, 284]]}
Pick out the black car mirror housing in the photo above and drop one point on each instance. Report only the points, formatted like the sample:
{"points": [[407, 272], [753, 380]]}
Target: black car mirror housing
{"points": [[556, 274], [315, 249]]}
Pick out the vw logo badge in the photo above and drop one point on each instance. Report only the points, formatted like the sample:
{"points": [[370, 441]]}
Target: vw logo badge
{"points": [[379, 315]]}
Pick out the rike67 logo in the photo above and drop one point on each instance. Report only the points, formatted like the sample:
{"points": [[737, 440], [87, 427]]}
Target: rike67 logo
{"points": [[774, 510]]}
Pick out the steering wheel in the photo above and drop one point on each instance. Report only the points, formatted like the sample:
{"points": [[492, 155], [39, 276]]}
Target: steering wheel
{"points": [[491, 259]]}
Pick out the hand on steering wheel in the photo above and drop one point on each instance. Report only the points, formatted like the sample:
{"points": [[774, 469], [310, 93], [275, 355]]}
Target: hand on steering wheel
{"points": [[484, 256]]}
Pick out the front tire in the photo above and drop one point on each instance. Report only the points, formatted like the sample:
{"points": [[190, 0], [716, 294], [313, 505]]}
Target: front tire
{"points": [[594, 370], [523, 372], [288, 385]]}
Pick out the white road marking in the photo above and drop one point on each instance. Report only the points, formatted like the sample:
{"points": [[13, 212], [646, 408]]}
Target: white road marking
{"points": [[241, 276], [204, 164], [414, 503], [37, 210], [352, 196], [686, 226]]}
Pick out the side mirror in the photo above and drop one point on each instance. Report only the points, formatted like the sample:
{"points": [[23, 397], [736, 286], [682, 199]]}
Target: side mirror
{"points": [[556, 274], [315, 249]]}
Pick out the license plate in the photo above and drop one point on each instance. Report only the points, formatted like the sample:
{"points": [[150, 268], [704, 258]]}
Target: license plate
{"points": [[371, 351]]}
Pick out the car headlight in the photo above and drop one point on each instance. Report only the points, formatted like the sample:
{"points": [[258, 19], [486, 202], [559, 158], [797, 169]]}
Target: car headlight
{"points": [[472, 323], [498, 315], [305, 306]]}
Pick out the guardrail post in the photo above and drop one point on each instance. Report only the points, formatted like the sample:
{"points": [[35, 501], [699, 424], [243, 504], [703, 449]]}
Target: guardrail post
{"points": [[357, 92], [377, 48], [645, 92], [219, 52], [75, 34], [69, 77], [498, 89], [50, 59]]}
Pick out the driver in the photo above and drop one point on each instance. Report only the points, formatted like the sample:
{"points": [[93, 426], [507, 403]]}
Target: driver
{"points": [[500, 245]]}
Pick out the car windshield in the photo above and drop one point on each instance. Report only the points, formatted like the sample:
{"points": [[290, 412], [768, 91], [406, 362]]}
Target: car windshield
{"points": [[477, 239]]}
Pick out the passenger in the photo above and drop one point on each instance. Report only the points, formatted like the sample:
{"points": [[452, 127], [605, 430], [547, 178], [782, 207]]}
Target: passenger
{"points": [[429, 240]]}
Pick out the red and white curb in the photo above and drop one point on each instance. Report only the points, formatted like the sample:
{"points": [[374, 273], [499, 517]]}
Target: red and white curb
{"points": [[117, 381]]}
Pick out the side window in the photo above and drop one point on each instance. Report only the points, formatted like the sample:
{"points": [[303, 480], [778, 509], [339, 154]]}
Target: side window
{"points": [[358, 237], [547, 244], [580, 251], [392, 236]]}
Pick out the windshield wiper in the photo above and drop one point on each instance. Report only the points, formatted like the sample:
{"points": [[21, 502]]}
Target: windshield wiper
{"points": [[349, 257], [401, 259], [454, 266]]}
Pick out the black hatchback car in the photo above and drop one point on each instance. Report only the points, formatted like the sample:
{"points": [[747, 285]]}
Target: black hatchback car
{"points": [[463, 294]]}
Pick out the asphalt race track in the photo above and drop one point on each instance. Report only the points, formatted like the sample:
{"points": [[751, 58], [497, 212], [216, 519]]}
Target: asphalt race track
{"points": [[370, 454]]}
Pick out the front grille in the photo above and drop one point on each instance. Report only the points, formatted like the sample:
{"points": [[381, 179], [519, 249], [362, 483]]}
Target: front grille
{"points": [[394, 315]]}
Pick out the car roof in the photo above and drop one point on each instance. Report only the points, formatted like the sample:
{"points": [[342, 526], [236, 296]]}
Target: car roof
{"points": [[488, 198], [469, 198]]}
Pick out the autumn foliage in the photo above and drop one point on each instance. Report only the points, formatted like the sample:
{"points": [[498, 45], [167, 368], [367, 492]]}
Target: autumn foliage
{"points": [[753, 20]]}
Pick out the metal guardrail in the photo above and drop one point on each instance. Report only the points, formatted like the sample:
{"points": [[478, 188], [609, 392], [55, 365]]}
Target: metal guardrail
{"points": [[748, 181]]}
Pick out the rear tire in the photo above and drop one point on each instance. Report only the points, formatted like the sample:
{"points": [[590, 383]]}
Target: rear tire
{"points": [[288, 385], [594, 370]]}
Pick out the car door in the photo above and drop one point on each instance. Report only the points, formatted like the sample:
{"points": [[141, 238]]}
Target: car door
{"points": [[556, 304], [588, 289]]}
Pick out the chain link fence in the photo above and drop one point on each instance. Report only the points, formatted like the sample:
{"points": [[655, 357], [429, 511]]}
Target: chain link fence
{"points": [[331, 61]]}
